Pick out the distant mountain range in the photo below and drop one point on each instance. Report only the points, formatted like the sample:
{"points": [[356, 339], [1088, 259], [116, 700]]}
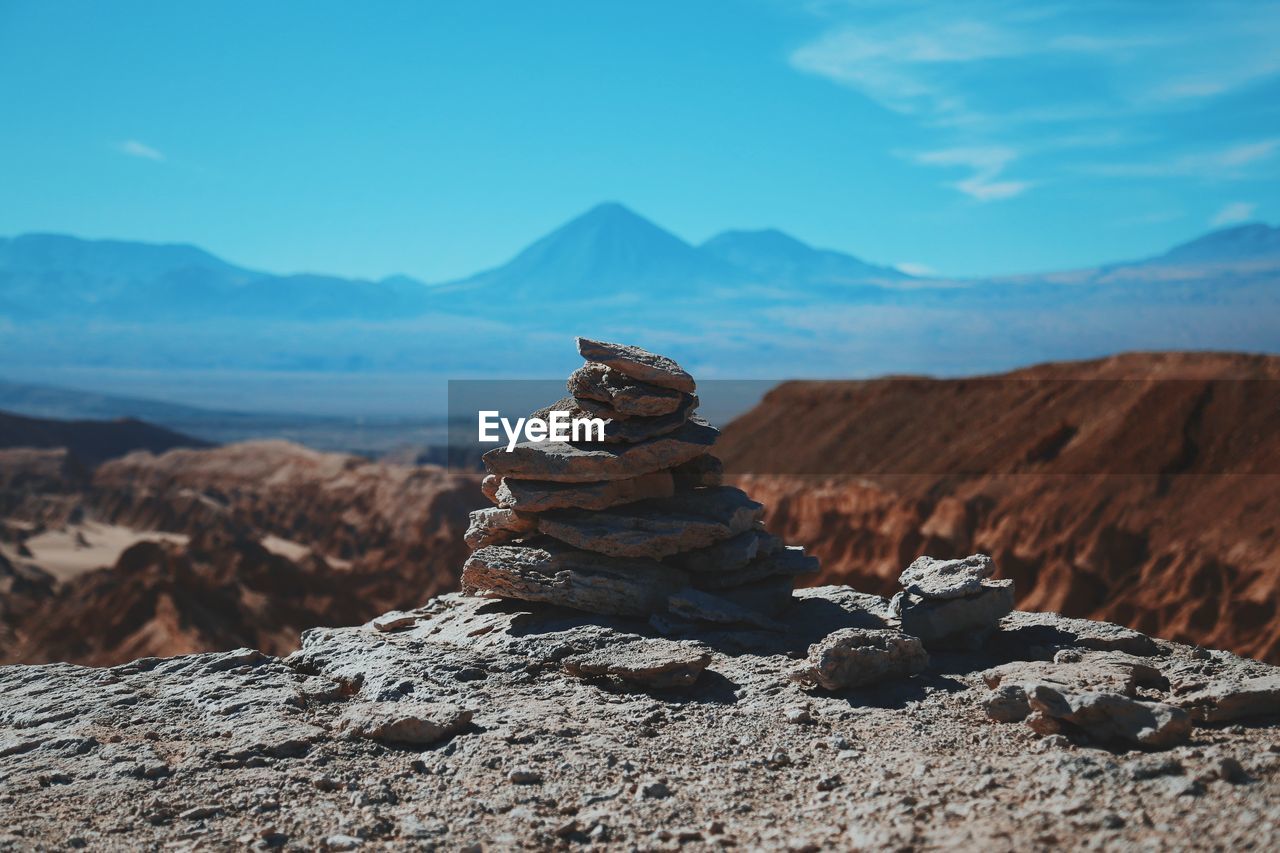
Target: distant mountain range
{"points": [[91, 442], [759, 304]]}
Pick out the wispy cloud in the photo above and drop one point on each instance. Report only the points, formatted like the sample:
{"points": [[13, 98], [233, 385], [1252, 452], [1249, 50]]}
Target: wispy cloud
{"points": [[1236, 211], [1227, 163], [996, 75], [134, 148], [986, 165]]}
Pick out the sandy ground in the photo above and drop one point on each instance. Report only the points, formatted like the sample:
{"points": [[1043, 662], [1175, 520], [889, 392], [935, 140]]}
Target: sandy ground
{"points": [[79, 548]]}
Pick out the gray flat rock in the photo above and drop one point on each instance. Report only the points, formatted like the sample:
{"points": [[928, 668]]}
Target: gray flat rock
{"points": [[543, 495], [407, 722], [1025, 629], [638, 364], [1095, 672], [1226, 699], [790, 561], [655, 663], [623, 394], [937, 579], [728, 555], [856, 657], [956, 622], [619, 427], [555, 574], [569, 463], [700, 606], [656, 528], [1108, 718]]}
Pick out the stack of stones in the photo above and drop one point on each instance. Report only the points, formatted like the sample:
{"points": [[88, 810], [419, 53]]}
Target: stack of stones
{"points": [[636, 525], [952, 602]]}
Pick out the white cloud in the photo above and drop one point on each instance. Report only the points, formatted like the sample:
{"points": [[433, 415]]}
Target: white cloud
{"points": [[1226, 163], [134, 148], [1236, 211], [987, 164], [1053, 77], [913, 268]]}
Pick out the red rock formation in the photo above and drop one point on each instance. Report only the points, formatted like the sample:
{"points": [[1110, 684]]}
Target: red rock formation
{"points": [[282, 538], [1147, 495]]}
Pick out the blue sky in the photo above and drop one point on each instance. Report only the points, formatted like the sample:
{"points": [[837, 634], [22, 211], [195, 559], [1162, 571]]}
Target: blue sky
{"points": [[436, 139]]}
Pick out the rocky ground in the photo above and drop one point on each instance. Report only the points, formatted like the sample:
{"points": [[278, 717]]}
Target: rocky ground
{"points": [[473, 724]]}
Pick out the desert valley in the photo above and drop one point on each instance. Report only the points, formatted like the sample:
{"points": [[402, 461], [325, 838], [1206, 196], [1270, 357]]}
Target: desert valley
{"points": [[1141, 489]]}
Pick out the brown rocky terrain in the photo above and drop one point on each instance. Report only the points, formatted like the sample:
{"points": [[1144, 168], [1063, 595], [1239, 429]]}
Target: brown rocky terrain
{"points": [[245, 545], [1142, 489], [618, 671]]}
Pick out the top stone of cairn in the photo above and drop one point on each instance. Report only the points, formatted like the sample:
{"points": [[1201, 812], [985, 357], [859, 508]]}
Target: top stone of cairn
{"points": [[638, 364]]}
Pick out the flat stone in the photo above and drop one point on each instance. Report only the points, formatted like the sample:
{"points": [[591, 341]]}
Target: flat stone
{"points": [[1022, 629], [704, 470], [543, 495], [393, 620], [701, 606], [1109, 672], [855, 657], [728, 555], [789, 562], [587, 463], [1111, 717], [656, 528], [652, 663], [1097, 672], [619, 427], [1228, 699], [961, 622], [623, 394], [637, 363], [411, 722], [939, 579], [493, 524], [547, 571]]}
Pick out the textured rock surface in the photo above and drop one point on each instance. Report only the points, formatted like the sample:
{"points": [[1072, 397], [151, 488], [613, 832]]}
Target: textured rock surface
{"points": [[1111, 717], [233, 750], [936, 579], [855, 657], [657, 528], [493, 525], [964, 619], [647, 662], [637, 363], [557, 574], [624, 395]]}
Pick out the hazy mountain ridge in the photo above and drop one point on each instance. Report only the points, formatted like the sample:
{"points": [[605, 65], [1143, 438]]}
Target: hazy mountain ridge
{"points": [[607, 253], [756, 304]]}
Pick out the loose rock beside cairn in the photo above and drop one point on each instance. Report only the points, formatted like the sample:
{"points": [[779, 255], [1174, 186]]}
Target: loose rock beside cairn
{"points": [[636, 525], [952, 602]]}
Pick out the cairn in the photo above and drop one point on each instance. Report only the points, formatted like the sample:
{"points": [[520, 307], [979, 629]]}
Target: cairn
{"points": [[639, 524]]}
